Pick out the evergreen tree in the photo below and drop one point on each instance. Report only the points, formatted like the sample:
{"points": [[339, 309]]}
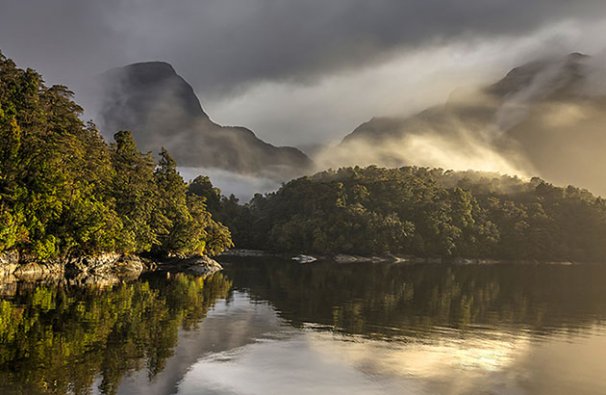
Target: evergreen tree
{"points": [[135, 193], [423, 212], [65, 192], [172, 219], [49, 191]]}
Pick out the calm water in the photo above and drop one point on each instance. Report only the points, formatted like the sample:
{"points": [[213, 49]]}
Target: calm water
{"points": [[264, 327]]}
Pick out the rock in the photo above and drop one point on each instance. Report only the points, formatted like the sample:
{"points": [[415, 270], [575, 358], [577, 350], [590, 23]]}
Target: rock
{"points": [[403, 259], [94, 264], [104, 269], [132, 264], [197, 264], [343, 258], [304, 258], [9, 261], [35, 271], [204, 265], [244, 253], [109, 263]]}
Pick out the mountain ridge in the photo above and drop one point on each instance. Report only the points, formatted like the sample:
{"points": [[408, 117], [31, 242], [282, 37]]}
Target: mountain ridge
{"points": [[541, 116], [162, 110]]}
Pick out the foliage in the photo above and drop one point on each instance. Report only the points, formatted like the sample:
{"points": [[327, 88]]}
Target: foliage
{"points": [[64, 191], [423, 212], [60, 339]]}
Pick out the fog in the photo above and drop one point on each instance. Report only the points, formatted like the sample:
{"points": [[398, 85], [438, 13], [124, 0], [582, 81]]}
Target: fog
{"points": [[242, 186], [302, 72], [306, 74]]}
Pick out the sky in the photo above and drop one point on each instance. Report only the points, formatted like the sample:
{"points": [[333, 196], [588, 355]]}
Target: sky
{"points": [[301, 72]]}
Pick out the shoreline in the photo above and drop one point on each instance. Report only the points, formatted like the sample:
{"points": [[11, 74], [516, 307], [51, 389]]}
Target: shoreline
{"points": [[340, 258], [112, 268], [102, 270]]}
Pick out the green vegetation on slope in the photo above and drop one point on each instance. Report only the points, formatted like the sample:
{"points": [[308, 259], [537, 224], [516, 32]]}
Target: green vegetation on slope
{"points": [[422, 212], [64, 191]]}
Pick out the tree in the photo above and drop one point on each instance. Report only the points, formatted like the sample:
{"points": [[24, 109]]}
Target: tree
{"points": [[426, 213], [172, 217], [65, 192], [49, 191], [135, 193]]}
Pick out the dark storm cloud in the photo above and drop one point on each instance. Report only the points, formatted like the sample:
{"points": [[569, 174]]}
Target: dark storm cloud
{"points": [[221, 44], [63, 39]]}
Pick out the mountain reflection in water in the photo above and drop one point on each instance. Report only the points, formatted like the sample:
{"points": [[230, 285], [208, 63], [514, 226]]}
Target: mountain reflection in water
{"points": [[274, 327]]}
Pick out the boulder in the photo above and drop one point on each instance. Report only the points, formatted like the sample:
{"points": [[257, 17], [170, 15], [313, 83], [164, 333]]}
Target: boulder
{"points": [[9, 261], [196, 264], [203, 265], [304, 258], [109, 263], [34, 271], [342, 258]]}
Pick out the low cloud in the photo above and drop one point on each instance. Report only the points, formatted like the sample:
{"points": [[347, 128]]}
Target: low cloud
{"points": [[308, 72], [242, 186], [466, 152], [291, 113]]}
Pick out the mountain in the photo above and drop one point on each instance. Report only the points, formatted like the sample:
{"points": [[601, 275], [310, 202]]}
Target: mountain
{"points": [[546, 117], [161, 109]]}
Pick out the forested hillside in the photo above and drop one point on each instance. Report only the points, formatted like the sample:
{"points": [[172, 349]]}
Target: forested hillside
{"points": [[423, 212], [65, 192]]}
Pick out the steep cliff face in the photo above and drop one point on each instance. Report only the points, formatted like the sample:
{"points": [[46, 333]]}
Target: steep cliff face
{"points": [[546, 116], [161, 109]]}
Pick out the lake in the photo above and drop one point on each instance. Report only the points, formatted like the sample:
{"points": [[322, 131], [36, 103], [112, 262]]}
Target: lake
{"points": [[271, 326]]}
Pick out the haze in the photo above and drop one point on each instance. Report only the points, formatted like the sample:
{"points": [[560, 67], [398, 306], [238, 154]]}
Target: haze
{"points": [[305, 73]]}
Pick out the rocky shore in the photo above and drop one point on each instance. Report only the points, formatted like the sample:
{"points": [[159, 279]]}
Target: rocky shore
{"points": [[102, 270], [387, 258]]}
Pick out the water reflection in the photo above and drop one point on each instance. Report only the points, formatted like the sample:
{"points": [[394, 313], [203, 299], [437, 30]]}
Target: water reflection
{"points": [[266, 327], [320, 362], [57, 340], [398, 329], [389, 301]]}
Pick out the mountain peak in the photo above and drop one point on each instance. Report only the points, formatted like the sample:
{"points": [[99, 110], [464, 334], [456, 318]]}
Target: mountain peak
{"points": [[149, 72], [560, 76], [546, 117], [162, 110], [138, 85]]}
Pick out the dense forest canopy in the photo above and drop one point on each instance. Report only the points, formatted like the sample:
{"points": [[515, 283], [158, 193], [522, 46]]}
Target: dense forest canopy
{"points": [[64, 191], [423, 212]]}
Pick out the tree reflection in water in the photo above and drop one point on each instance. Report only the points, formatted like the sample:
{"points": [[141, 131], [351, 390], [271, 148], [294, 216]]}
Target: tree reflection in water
{"points": [[56, 339], [387, 301]]}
